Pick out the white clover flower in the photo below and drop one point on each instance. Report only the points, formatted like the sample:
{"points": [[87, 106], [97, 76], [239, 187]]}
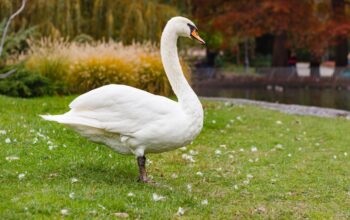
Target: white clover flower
{"points": [[21, 176], [121, 214], [279, 122], [254, 149], [279, 146], [250, 176], [131, 194], [7, 140], [183, 148], [188, 158], [101, 206], [3, 132], [11, 158], [218, 152], [193, 152], [199, 173], [204, 202], [72, 195], [74, 180], [157, 197], [174, 175], [64, 211], [180, 211], [189, 187]]}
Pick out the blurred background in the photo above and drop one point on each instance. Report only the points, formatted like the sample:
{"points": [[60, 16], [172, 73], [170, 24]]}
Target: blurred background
{"points": [[287, 51]]}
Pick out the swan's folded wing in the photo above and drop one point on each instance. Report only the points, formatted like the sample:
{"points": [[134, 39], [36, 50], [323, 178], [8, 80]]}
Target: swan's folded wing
{"points": [[122, 109]]}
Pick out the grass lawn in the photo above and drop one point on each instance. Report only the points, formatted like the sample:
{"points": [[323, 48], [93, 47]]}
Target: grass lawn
{"points": [[249, 163]]}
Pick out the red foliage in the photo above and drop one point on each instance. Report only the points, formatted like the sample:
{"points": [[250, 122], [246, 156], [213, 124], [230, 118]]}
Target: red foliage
{"points": [[307, 23]]}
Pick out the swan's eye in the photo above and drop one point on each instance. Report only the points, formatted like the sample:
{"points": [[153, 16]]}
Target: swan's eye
{"points": [[192, 27], [194, 34]]}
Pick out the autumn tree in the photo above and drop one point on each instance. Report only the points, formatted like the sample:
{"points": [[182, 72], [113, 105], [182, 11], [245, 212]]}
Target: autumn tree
{"points": [[294, 24], [254, 18], [204, 13], [332, 30], [341, 47]]}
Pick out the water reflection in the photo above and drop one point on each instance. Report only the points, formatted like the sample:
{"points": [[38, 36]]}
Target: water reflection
{"points": [[339, 99]]}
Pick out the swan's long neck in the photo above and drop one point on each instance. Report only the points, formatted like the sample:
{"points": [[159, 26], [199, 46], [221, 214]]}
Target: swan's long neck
{"points": [[168, 48]]}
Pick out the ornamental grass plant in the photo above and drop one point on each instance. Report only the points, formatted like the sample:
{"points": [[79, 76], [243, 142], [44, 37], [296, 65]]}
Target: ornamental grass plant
{"points": [[82, 67]]}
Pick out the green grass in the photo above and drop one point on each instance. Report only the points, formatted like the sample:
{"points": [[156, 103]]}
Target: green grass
{"points": [[300, 168]]}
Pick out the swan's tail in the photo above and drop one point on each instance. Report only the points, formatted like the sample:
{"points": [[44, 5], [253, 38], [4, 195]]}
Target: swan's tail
{"points": [[58, 118], [71, 120]]}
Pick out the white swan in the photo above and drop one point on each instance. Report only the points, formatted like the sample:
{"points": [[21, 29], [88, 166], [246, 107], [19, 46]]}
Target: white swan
{"points": [[133, 121]]}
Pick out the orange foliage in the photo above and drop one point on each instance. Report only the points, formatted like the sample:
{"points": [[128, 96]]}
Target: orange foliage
{"points": [[307, 23]]}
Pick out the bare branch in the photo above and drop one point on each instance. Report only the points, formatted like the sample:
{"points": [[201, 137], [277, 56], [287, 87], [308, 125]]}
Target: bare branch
{"points": [[9, 73], [8, 24], [3, 76]]}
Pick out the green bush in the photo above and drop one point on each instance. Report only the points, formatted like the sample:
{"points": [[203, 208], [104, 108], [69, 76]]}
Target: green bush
{"points": [[24, 83]]}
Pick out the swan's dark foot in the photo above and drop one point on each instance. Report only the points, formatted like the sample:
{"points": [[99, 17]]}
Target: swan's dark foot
{"points": [[141, 162], [147, 180]]}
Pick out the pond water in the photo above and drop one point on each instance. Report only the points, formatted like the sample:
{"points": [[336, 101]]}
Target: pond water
{"points": [[339, 99]]}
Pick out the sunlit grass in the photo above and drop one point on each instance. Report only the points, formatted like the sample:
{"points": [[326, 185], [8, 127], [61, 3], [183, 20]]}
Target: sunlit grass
{"points": [[249, 163]]}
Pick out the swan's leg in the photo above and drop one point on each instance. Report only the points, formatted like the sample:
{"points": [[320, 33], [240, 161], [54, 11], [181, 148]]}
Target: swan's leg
{"points": [[141, 161]]}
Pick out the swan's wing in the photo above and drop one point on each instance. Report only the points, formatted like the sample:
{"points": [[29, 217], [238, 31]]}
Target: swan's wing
{"points": [[122, 109]]}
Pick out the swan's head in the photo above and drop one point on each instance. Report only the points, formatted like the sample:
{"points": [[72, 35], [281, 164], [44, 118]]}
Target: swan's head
{"points": [[185, 28]]}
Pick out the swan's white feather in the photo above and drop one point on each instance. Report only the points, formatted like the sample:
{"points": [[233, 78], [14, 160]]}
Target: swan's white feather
{"points": [[130, 120], [140, 120], [122, 109]]}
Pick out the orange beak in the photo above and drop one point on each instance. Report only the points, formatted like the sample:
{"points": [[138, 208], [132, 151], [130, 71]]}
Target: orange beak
{"points": [[195, 35]]}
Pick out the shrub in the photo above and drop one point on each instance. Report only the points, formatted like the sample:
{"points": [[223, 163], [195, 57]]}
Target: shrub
{"points": [[24, 83], [83, 67]]}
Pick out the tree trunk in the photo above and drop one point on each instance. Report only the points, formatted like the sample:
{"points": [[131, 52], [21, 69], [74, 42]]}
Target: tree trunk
{"points": [[280, 52], [238, 53], [341, 52], [341, 49], [246, 55], [211, 56], [315, 66]]}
